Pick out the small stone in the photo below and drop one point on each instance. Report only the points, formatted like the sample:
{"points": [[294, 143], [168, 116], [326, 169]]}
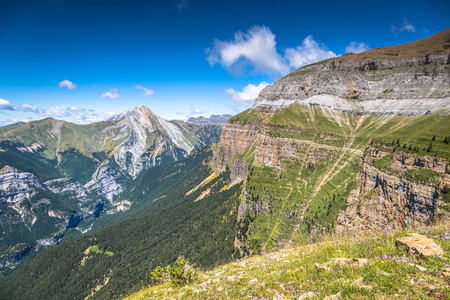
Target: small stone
{"points": [[321, 266], [363, 262], [333, 297], [307, 296], [420, 245], [446, 275], [347, 262], [418, 267]]}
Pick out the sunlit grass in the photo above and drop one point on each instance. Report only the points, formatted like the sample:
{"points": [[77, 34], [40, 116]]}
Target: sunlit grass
{"points": [[391, 273]]}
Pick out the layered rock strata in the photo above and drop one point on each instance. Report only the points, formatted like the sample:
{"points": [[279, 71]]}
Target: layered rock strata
{"points": [[408, 86]]}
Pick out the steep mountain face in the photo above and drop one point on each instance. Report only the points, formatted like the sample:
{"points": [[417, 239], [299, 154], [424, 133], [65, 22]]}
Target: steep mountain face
{"points": [[353, 143], [409, 79], [60, 177]]}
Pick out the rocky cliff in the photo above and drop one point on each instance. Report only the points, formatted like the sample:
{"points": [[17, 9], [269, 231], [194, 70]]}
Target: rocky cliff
{"points": [[391, 199], [379, 81], [354, 143]]}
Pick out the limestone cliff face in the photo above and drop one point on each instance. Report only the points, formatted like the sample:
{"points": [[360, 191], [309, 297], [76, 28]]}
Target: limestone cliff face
{"points": [[105, 181], [425, 76], [235, 138], [368, 86], [304, 155], [389, 200]]}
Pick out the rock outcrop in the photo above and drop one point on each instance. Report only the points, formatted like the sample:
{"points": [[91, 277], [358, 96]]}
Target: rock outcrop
{"points": [[379, 81], [420, 245], [106, 181], [16, 186], [384, 201]]}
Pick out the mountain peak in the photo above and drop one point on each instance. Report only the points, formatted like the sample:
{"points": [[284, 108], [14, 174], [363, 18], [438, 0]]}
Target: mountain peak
{"points": [[146, 111]]}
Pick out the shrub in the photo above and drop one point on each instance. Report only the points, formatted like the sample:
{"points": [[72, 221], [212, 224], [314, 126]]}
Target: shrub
{"points": [[179, 273]]}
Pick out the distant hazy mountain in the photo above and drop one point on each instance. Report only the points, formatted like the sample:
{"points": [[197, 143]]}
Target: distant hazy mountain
{"points": [[213, 120]]}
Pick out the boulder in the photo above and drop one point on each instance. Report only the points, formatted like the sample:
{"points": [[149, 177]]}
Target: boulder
{"points": [[420, 245]]}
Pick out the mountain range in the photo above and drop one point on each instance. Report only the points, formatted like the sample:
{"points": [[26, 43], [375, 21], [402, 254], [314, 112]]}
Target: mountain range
{"points": [[56, 175], [358, 143]]}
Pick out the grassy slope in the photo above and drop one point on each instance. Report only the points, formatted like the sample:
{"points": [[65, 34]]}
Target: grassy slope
{"points": [[314, 188], [292, 272]]}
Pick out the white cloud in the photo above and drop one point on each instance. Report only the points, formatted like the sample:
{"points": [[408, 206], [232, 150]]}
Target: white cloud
{"points": [[309, 52], [67, 84], [248, 94], [71, 113], [74, 108], [355, 47], [147, 92], [75, 114], [28, 107], [195, 110], [112, 93], [407, 26], [6, 105], [254, 50], [56, 111]]}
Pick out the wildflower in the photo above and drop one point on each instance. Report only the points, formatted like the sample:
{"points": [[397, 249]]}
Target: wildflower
{"points": [[432, 287]]}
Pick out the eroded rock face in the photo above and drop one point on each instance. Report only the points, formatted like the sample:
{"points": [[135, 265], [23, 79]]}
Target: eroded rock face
{"points": [[128, 153], [269, 151], [368, 86], [15, 186], [420, 245], [66, 185], [386, 202], [235, 139], [105, 181], [425, 76]]}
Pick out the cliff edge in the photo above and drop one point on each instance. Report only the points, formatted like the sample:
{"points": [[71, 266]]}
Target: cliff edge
{"points": [[408, 79]]}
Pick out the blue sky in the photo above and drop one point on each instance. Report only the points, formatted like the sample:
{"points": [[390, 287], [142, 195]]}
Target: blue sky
{"points": [[83, 60]]}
